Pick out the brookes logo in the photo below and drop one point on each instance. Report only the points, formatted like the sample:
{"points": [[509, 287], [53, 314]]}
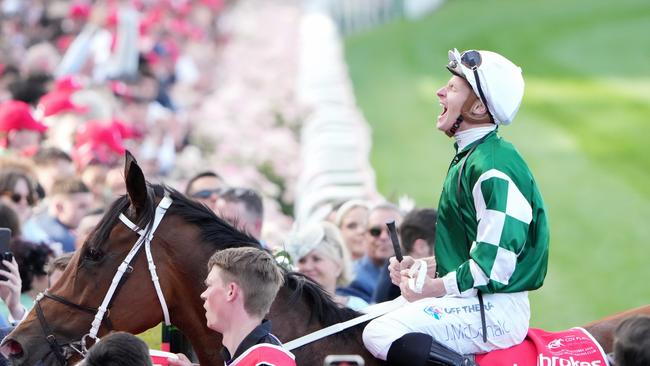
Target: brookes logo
{"points": [[560, 361]]}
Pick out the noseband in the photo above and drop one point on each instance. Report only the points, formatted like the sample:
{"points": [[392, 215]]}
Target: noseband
{"points": [[146, 236]]}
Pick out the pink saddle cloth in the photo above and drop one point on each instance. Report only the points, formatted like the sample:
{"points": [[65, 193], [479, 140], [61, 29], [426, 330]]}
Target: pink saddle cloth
{"points": [[573, 347]]}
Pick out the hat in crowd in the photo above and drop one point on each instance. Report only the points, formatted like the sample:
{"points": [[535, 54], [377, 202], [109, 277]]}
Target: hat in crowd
{"points": [[97, 133], [500, 81], [124, 129], [17, 115], [79, 10], [304, 240], [59, 102], [69, 83]]}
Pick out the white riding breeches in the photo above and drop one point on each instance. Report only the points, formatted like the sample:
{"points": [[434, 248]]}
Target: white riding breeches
{"points": [[455, 322]]}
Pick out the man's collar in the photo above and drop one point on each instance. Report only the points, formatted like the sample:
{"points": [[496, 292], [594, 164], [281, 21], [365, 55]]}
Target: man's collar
{"points": [[257, 335]]}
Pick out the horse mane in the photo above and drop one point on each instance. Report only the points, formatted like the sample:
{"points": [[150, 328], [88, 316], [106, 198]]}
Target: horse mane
{"points": [[213, 229], [323, 308]]}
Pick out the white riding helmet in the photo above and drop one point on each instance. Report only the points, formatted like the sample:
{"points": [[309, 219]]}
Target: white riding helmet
{"points": [[494, 79]]}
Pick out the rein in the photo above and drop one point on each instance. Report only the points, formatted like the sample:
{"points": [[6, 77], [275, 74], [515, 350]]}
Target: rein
{"points": [[103, 311]]}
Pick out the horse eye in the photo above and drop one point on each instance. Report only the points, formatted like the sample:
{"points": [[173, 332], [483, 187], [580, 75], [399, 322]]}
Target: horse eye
{"points": [[93, 254]]}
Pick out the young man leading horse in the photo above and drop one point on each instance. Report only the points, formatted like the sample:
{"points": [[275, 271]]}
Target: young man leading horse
{"points": [[241, 286], [492, 233]]}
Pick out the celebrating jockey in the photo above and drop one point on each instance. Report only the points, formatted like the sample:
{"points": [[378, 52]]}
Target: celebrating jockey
{"points": [[492, 233]]}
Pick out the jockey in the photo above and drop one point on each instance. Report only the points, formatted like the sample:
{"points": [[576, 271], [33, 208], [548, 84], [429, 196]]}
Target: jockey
{"points": [[241, 286], [492, 233]]}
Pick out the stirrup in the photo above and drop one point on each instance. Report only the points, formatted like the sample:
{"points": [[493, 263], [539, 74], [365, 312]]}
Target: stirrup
{"points": [[441, 355]]}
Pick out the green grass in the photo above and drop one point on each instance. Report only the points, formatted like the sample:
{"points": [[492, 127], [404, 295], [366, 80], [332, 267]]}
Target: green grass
{"points": [[583, 127]]}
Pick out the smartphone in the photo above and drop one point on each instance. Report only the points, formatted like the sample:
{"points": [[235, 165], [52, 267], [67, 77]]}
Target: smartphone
{"points": [[5, 238], [344, 360]]}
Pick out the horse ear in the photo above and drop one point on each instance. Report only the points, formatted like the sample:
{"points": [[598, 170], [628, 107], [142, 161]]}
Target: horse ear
{"points": [[136, 186]]}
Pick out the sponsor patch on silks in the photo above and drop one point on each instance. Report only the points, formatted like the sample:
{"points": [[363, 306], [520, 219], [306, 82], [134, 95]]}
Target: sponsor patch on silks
{"points": [[573, 347], [433, 311]]}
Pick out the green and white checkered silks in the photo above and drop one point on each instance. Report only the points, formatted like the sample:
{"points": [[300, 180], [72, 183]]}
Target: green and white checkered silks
{"points": [[503, 216]]}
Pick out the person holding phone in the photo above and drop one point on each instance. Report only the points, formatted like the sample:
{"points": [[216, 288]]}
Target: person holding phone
{"points": [[241, 285], [10, 282], [491, 234]]}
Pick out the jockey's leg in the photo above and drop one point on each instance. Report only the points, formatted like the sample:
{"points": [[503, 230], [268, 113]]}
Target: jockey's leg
{"points": [[419, 349], [454, 322]]}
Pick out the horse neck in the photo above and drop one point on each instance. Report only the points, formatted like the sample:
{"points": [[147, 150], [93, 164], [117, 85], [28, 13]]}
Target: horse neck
{"points": [[292, 320], [186, 307]]}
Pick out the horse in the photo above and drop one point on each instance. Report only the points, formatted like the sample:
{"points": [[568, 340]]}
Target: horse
{"points": [[180, 248], [182, 240]]}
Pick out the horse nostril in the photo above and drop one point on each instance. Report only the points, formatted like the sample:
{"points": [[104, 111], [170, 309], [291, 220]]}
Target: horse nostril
{"points": [[11, 349]]}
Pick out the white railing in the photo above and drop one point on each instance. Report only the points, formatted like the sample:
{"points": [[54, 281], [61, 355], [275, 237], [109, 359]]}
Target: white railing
{"points": [[352, 16]]}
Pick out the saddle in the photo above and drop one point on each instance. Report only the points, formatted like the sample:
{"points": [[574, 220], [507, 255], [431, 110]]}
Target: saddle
{"points": [[573, 347]]}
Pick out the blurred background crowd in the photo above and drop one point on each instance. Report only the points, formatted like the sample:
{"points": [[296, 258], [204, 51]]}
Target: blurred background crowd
{"points": [[209, 106]]}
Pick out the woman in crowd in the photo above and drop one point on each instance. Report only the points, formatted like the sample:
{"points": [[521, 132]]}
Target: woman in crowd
{"points": [[352, 219], [17, 191], [318, 252]]}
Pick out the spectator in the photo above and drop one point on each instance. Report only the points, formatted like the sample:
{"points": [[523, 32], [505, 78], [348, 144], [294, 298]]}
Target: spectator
{"points": [[31, 261], [204, 187], [19, 131], [17, 192], [56, 268], [118, 349], [86, 226], [31, 88], [115, 184], [52, 164], [319, 253], [241, 285], [9, 219], [11, 308], [70, 201], [352, 219], [378, 249], [243, 208], [632, 342], [418, 236], [93, 176], [11, 286]]}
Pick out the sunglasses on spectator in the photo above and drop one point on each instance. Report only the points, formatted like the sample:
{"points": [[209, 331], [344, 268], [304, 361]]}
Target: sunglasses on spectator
{"points": [[206, 193], [238, 192], [17, 197], [375, 231], [472, 60]]}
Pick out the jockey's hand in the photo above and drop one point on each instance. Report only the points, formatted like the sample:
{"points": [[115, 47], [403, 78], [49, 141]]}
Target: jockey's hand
{"points": [[433, 287], [432, 266], [395, 268], [181, 361]]}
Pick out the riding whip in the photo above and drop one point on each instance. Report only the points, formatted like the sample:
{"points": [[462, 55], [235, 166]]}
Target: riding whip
{"points": [[392, 231]]}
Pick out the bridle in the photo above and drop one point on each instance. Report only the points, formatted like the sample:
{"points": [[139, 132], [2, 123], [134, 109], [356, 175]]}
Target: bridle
{"points": [[63, 352]]}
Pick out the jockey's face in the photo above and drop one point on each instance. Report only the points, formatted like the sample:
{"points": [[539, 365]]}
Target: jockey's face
{"points": [[452, 97]]}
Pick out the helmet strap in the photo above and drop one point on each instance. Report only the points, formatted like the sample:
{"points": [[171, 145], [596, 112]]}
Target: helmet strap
{"points": [[452, 131]]}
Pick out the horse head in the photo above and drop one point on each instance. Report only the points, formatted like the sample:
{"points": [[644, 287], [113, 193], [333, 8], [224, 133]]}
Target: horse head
{"points": [[90, 300]]}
